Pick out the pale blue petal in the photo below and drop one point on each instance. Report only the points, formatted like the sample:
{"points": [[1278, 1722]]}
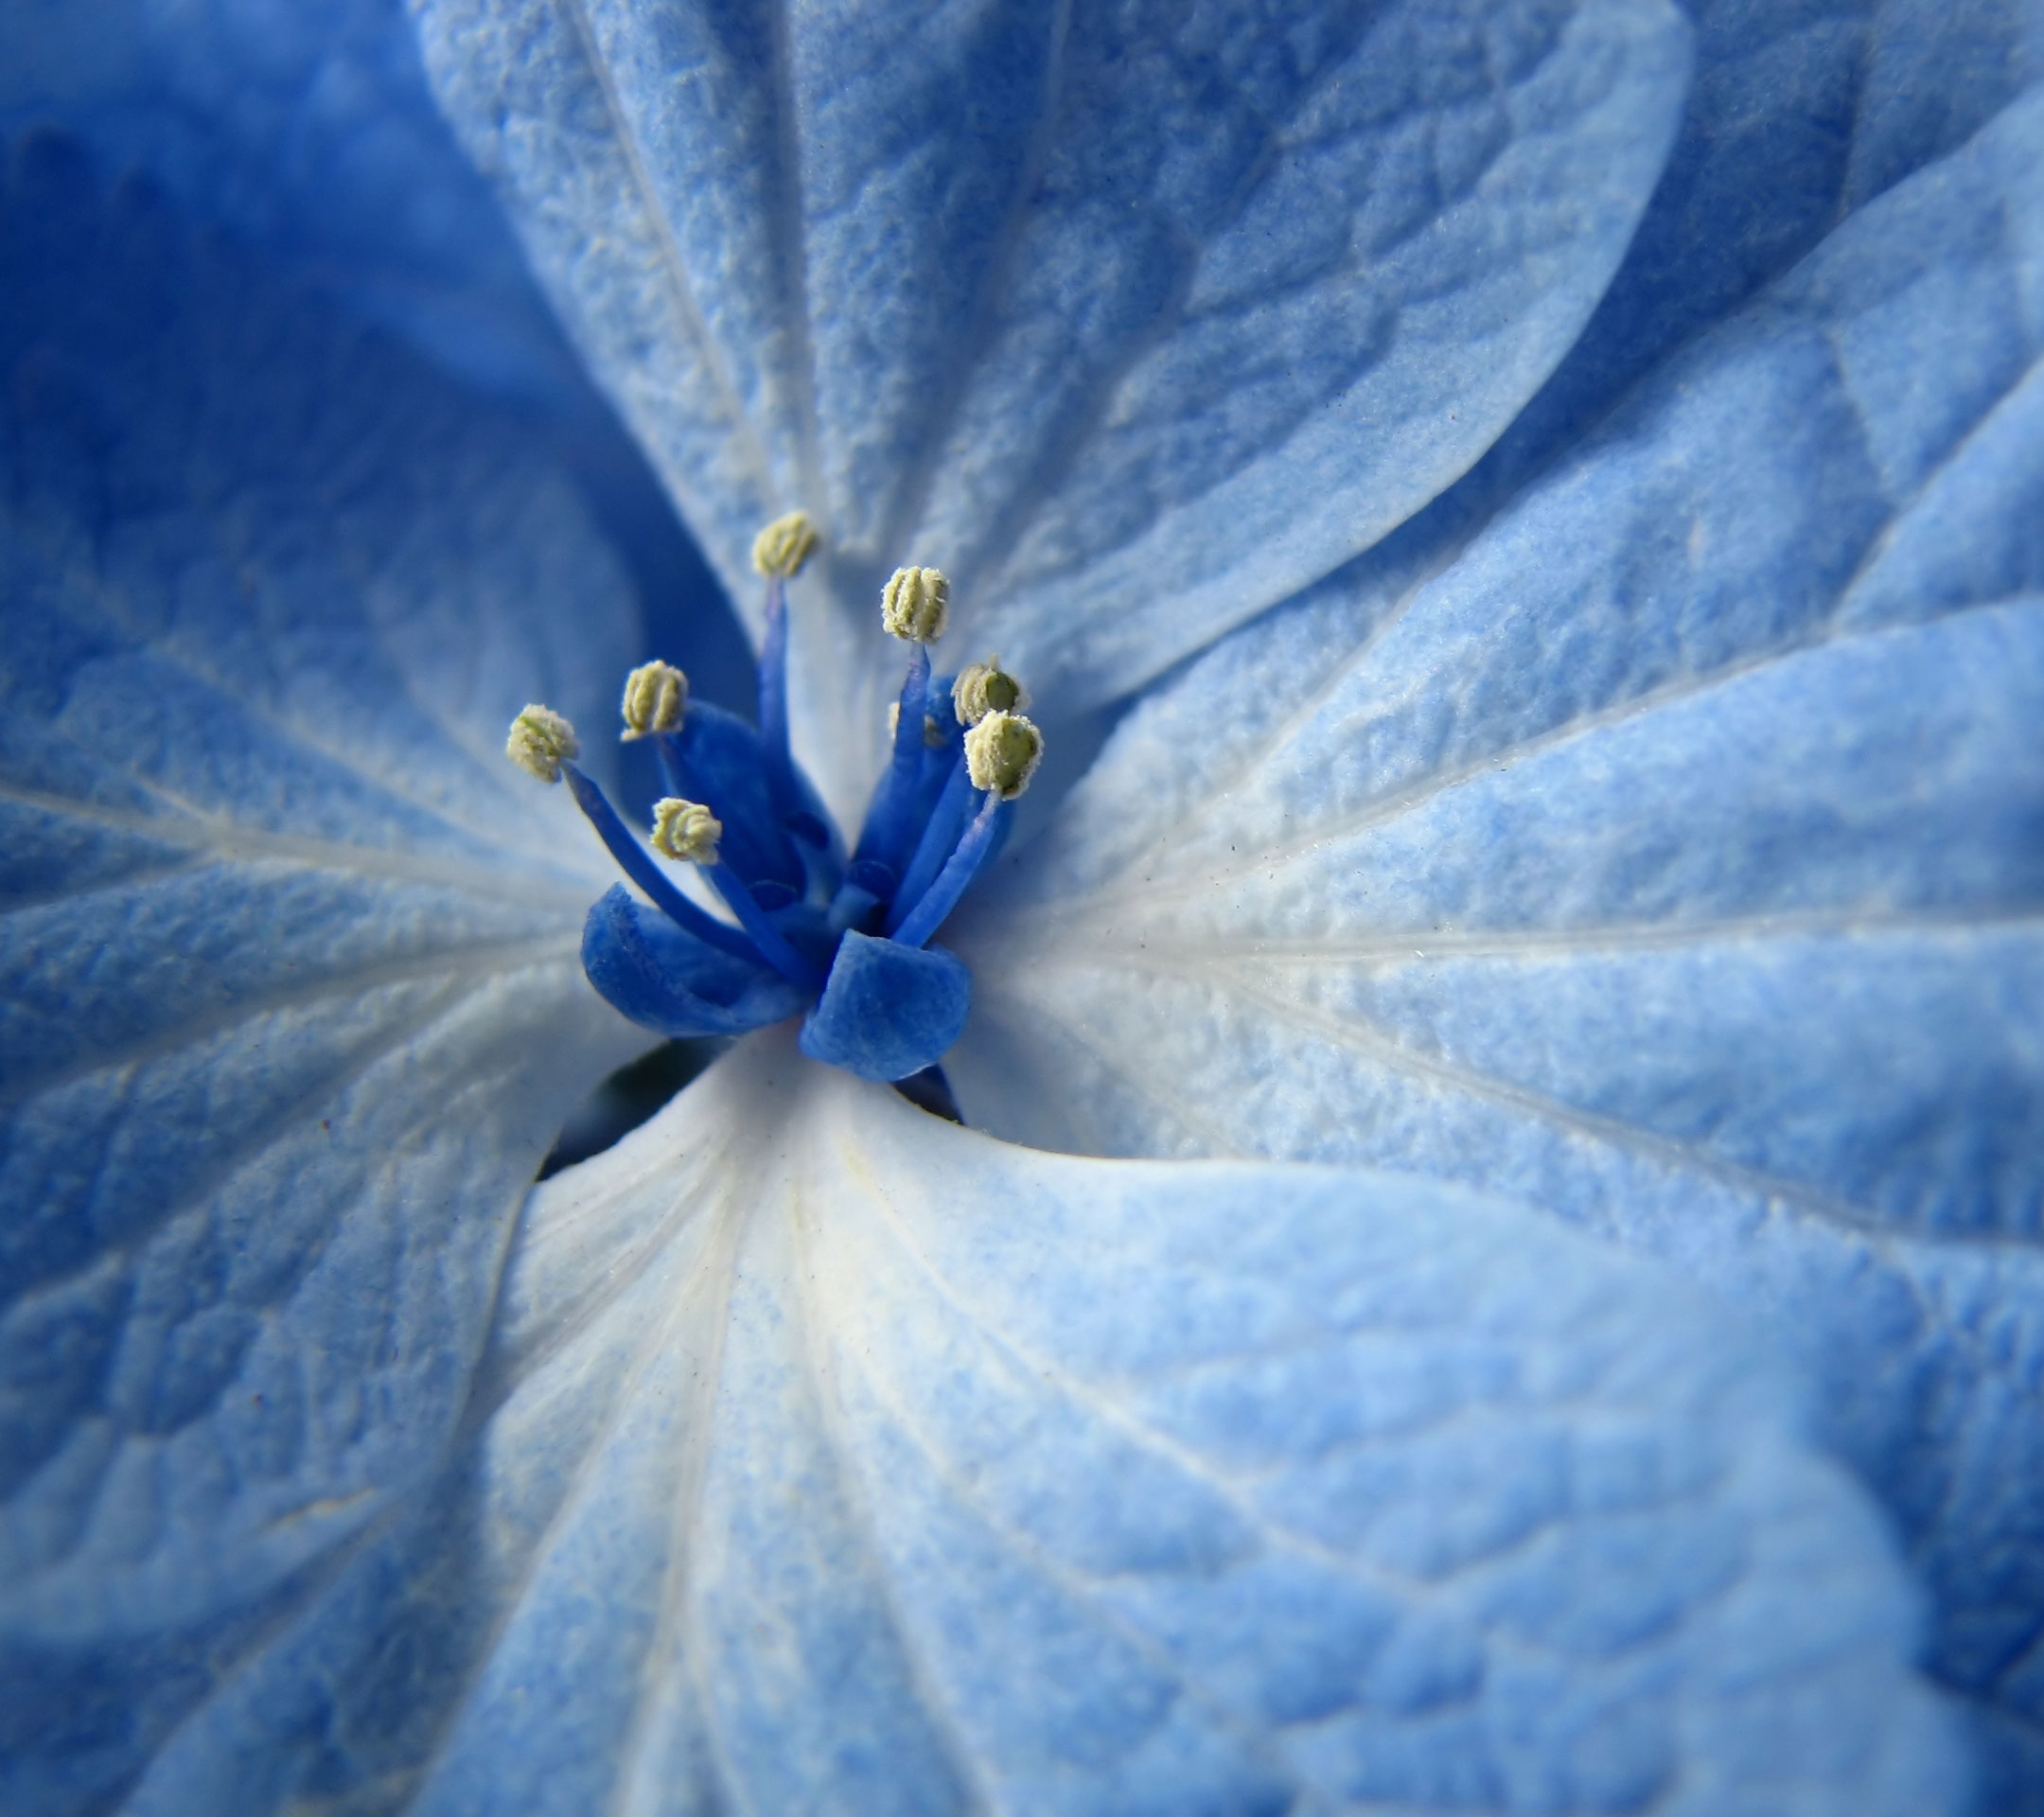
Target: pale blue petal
{"points": [[1674, 859], [294, 1005], [787, 1495], [1133, 321], [1800, 112]]}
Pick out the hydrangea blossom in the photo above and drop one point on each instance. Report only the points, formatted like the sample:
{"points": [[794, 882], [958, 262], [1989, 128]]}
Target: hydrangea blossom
{"points": [[1561, 486]]}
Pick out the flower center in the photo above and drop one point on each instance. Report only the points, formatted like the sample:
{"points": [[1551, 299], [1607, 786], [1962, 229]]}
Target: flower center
{"points": [[843, 938]]}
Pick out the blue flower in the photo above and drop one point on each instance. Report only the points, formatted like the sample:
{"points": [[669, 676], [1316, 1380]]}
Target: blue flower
{"points": [[1532, 509]]}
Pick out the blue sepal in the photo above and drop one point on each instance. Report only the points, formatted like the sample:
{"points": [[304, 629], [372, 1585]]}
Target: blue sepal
{"points": [[718, 759], [887, 1010], [664, 980]]}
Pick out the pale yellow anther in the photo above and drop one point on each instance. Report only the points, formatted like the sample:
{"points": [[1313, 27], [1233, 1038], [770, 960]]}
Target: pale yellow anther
{"points": [[986, 687], [540, 742], [686, 831], [779, 550], [914, 604], [655, 699], [1002, 752]]}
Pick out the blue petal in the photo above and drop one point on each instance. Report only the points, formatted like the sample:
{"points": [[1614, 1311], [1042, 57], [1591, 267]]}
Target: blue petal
{"points": [[306, 128], [1673, 858], [887, 1010], [1133, 323], [293, 1001], [665, 979], [1798, 116], [912, 1472]]}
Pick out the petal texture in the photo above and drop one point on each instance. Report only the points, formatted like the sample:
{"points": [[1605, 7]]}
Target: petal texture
{"points": [[1800, 112], [829, 1457], [294, 1005], [1133, 321], [1672, 859]]}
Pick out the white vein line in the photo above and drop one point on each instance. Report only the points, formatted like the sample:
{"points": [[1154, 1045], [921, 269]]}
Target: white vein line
{"points": [[1423, 789], [1082, 1592], [1032, 1366], [1888, 1245], [463, 966], [679, 1623], [1298, 717], [573, 1490], [1399, 947], [222, 1170], [161, 648], [494, 772], [681, 291], [923, 1680], [1035, 1366], [1368, 1041], [509, 1362], [197, 829]]}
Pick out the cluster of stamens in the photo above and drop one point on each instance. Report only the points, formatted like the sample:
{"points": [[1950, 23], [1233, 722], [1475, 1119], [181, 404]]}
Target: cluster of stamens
{"points": [[845, 934]]}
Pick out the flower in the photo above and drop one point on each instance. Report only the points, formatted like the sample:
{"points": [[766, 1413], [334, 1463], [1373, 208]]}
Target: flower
{"points": [[1637, 828]]}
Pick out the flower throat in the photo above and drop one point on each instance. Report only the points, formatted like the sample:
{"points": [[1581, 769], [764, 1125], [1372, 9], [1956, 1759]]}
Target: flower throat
{"points": [[843, 938]]}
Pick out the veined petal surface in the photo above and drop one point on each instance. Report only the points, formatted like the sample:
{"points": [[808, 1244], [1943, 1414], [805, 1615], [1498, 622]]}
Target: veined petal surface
{"points": [[1132, 320], [786, 1493], [1673, 857], [294, 1001], [1800, 112]]}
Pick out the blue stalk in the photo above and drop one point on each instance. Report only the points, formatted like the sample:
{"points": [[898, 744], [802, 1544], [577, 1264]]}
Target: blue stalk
{"points": [[940, 839], [633, 860], [765, 936], [957, 876], [891, 816], [775, 750]]}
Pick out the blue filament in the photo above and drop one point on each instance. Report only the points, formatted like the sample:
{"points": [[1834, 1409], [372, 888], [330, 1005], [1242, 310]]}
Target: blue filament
{"points": [[638, 864], [964, 865]]}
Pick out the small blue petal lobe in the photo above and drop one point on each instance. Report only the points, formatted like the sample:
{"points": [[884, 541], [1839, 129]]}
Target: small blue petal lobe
{"points": [[887, 1010], [667, 980]]}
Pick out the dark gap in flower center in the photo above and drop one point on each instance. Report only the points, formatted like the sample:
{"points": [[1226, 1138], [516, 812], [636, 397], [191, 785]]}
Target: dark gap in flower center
{"points": [[627, 1097], [932, 1091]]}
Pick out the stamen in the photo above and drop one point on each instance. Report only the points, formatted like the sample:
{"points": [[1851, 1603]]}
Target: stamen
{"points": [[1002, 752], [655, 698], [883, 839], [686, 831], [940, 839], [915, 603], [986, 687], [779, 550], [956, 877], [632, 859], [540, 741]]}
